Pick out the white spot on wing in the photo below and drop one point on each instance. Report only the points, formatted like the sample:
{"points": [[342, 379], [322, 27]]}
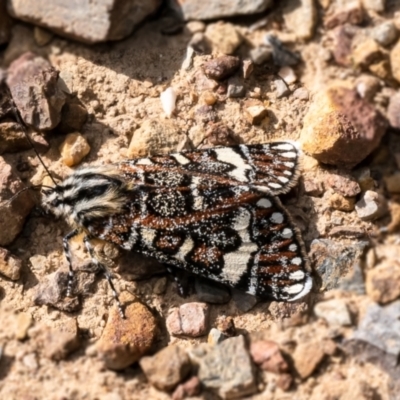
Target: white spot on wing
{"points": [[185, 248], [293, 247], [144, 161], [148, 236], [283, 146], [283, 179], [296, 261], [289, 154], [227, 155], [264, 203], [297, 275], [180, 158], [307, 286], [277, 218], [287, 233], [275, 185]]}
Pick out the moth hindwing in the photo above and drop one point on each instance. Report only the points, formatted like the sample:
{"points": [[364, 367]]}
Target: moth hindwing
{"points": [[214, 213]]}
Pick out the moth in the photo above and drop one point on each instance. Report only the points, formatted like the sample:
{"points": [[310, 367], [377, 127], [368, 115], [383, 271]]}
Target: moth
{"points": [[213, 213]]}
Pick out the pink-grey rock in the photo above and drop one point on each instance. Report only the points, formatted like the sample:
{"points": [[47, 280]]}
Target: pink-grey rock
{"points": [[12, 214], [343, 184], [190, 388], [125, 340], [393, 111], [167, 368], [33, 83], [371, 206], [193, 9], [109, 19], [221, 67], [340, 128], [10, 265], [190, 319], [267, 355]]}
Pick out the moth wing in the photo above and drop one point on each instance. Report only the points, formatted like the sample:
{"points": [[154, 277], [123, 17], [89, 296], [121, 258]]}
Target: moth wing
{"points": [[245, 240], [272, 167]]}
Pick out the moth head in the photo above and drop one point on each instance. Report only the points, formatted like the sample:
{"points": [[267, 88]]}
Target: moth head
{"points": [[87, 194]]}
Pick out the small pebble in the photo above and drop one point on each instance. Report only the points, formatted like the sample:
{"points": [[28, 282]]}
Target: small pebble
{"points": [[190, 388], [248, 68], [268, 356], [281, 88], [384, 33], [307, 357], [10, 265], [188, 61], [334, 312], [341, 203], [167, 368], [393, 111], [208, 98], [260, 54], [301, 93], [301, 18], [190, 319], [196, 26], [392, 182], [281, 55], [42, 36], [24, 322], [74, 148], [224, 37], [288, 75], [313, 187], [168, 101], [236, 90], [215, 337], [367, 86], [371, 206], [221, 67], [343, 184], [382, 282], [255, 113]]}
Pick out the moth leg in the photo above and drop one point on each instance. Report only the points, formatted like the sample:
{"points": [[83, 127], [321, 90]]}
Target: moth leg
{"points": [[67, 252], [105, 272], [182, 290]]}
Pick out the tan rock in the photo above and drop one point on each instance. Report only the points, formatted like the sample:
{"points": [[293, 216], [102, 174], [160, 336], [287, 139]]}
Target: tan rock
{"points": [[10, 266], [125, 341], [382, 282], [341, 203], [301, 17], [307, 357], [223, 37], [395, 61], [340, 128], [365, 52], [74, 148]]}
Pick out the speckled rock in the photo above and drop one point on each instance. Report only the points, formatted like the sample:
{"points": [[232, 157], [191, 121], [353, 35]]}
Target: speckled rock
{"points": [[167, 368], [221, 67], [190, 319], [74, 148], [223, 37], [110, 20], [226, 368], [332, 260], [343, 184], [267, 355], [193, 9], [33, 83], [301, 17], [12, 215], [371, 206], [10, 266], [156, 136], [125, 341], [355, 128], [382, 282]]}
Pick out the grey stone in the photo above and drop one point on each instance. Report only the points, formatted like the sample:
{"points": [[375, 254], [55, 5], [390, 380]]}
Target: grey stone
{"points": [[236, 90], [281, 88], [109, 19], [371, 206], [194, 9], [385, 33], [354, 282], [226, 368], [260, 54], [381, 328], [243, 301], [332, 260], [211, 292], [281, 55]]}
